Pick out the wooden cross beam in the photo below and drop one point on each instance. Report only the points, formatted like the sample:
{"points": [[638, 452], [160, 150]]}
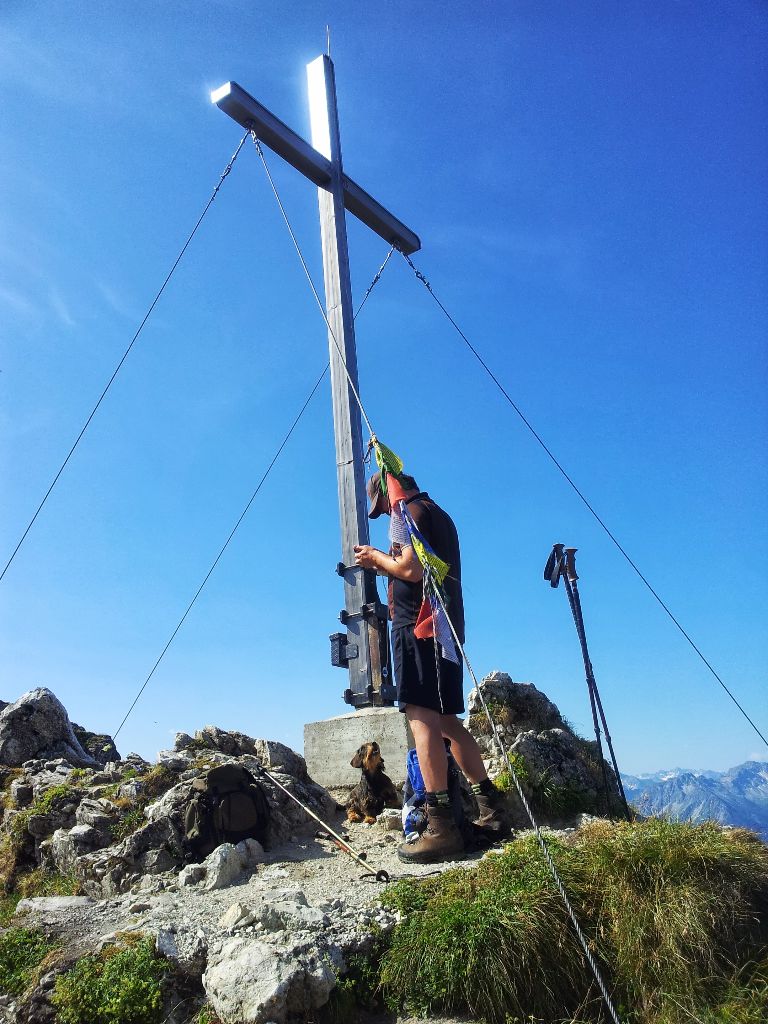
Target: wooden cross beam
{"points": [[367, 641]]}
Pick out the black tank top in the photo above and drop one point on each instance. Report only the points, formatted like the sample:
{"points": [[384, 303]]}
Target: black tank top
{"points": [[438, 529]]}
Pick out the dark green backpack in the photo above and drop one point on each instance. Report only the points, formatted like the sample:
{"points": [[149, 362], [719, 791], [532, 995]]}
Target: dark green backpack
{"points": [[226, 806]]}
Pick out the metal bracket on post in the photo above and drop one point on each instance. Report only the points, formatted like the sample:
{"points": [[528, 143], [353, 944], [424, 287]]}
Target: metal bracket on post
{"points": [[373, 618], [342, 651]]}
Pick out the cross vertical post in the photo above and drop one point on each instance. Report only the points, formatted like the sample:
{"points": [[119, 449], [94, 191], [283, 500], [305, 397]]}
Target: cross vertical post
{"points": [[364, 650], [364, 628]]}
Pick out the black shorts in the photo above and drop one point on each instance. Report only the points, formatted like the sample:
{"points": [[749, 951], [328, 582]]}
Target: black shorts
{"points": [[418, 680]]}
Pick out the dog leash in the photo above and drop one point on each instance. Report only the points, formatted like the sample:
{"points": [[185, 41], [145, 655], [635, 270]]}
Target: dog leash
{"points": [[379, 876]]}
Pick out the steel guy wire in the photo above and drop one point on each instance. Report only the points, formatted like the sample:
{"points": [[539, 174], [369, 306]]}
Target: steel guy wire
{"points": [[573, 485], [147, 315], [318, 300], [266, 473], [534, 824]]}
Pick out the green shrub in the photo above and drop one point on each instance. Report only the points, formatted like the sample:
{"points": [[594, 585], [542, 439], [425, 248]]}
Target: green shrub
{"points": [[356, 989], [43, 804], [8, 905], [119, 985], [677, 906], [47, 800], [207, 1015], [504, 780], [22, 950], [129, 822], [670, 910], [489, 942]]}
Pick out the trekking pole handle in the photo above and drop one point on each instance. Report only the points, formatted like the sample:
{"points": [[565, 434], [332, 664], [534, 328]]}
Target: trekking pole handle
{"points": [[554, 566], [570, 564]]}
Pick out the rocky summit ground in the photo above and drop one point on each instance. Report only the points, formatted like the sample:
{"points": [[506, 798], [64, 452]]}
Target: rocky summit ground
{"points": [[257, 941], [259, 931]]}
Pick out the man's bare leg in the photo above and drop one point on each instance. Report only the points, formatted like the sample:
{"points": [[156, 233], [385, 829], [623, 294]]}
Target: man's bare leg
{"points": [[430, 748], [463, 747], [441, 839], [493, 819]]}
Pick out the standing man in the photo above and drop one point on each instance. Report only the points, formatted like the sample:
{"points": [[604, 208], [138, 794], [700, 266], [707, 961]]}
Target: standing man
{"points": [[429, 687]]}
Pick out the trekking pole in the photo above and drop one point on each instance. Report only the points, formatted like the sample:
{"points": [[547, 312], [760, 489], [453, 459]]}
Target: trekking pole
{"points": [[380, 876], [562, 563], [571, 578]]}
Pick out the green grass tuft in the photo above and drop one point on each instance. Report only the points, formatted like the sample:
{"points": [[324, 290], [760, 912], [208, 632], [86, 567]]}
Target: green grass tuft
{"points": [[38, 882], [671, 910], [119, 985], [22, 950], [207, 1015], [744, 1000], [47, 883], [152, 785]]}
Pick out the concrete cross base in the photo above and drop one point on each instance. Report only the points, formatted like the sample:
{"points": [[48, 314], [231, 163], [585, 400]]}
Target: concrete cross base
{"points": [[330, 745]]}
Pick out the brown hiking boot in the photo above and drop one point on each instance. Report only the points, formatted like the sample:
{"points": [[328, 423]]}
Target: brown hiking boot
{"points": [[440, 840], [493, 820]]}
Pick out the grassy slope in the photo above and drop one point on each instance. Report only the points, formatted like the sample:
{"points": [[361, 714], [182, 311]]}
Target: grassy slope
{"points": [[676, 914]]}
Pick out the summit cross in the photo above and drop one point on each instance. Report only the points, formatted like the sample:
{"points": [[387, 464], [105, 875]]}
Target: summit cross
{"points": [[365, 648]]}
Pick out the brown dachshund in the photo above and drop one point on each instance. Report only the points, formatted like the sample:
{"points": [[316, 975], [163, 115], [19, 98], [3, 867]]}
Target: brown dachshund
{"points": [[374, 790]]}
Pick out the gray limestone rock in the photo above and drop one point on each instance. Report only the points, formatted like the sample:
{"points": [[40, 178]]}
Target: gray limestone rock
{"points": [[37, 725], [566, 760], [22, 792], [253, 982], [182, 741], [528, 708], [151, 850], [42, 825], [291, 915], [41, 906], [101, 814], [191, 874], [238, 916], [251, 853], [173, 761], [223, 867], [171, 804], [561, 772], [277, 758], [100, 746], [67, 845], [211, 737]]}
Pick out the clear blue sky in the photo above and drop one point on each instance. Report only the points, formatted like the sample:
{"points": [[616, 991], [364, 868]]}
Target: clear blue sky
{"points": [[589, 183]]}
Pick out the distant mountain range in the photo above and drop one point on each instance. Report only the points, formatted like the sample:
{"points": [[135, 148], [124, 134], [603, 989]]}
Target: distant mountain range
{"points": [[738, 796]]}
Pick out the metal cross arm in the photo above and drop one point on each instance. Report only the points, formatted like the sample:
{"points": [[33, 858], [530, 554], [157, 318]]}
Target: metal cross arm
{"points": [[248, 112]]}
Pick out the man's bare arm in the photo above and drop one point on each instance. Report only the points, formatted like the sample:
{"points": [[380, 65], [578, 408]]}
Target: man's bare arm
{"points": [[405, 565]]}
